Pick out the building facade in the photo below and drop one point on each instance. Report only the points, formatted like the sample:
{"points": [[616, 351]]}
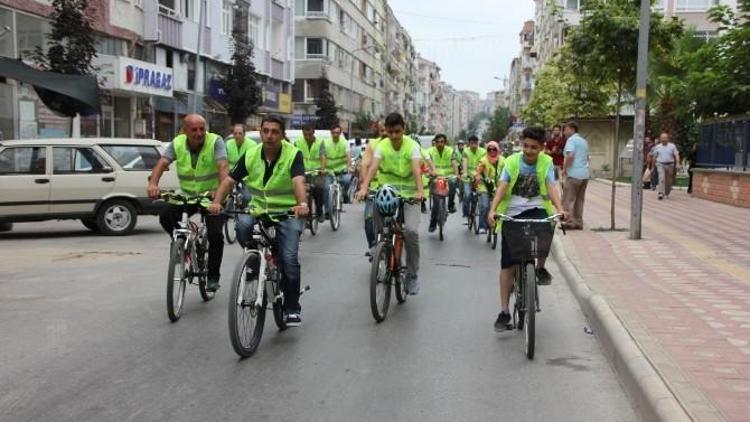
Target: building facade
{"points": [[400, 71], [522, 70], [344, 41], [140, 41]]}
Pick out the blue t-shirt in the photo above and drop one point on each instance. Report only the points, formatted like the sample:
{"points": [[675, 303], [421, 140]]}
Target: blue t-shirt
{"points": [[526, 194], [579, 168]]}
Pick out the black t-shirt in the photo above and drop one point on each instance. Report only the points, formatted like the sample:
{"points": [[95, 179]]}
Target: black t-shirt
{"points": [[240, 170]]}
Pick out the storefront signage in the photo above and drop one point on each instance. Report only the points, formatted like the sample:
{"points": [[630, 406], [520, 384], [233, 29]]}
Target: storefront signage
{"points": [[300, 120], [285, 103], [132, 76]]}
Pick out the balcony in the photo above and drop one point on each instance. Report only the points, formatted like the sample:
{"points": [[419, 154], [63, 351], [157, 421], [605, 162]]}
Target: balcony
{"points": [[170, 30], [277, 12]]}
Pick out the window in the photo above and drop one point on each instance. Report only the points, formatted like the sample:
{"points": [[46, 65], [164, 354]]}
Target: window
{"points": [[191, 72], [694, 5], [299, 48], [31, 33], [298, 91], [133, 157], [299, 8], [69, 160], [253, 32], [110, 46], [706, 36], [23, 160], [7, 44], [186, 8], [659, 5], [315, 48], [316, 7], [574, 4], [312, 90], [226, 18]]}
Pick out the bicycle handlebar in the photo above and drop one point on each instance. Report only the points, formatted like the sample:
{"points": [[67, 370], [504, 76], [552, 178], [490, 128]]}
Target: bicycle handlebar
{"points": [[172, 197], [549, 219]]}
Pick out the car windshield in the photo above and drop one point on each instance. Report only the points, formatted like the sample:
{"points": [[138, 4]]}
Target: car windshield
{"points": [[134, 157]]}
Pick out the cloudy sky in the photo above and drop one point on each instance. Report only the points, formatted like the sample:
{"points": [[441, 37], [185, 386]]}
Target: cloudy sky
{"points": [[471, 40]]}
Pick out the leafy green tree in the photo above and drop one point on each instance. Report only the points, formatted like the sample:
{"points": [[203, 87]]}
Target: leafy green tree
{"points": [[242, 94], [327, 111], [361, 125], [499, 124]]}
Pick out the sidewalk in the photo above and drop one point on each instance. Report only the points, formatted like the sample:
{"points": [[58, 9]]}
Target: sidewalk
{"points": [[683, 292]]}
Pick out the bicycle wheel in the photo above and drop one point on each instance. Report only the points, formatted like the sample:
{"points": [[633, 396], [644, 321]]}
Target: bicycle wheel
{"points": [[440, 203], [335, 210], [474, 216], [246, 319], [176, 280], [398, 281], [230, 222], [202, 278], [518, 312], [380, 282], [278, 314], [530, 305], [353, 186], [494, 239]]}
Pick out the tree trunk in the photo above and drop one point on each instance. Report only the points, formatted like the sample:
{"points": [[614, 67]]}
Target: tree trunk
{"points": [[615, 155]]}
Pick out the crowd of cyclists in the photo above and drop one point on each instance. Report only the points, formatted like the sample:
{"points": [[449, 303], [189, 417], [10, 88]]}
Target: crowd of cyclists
{"points": [[393, 168]]}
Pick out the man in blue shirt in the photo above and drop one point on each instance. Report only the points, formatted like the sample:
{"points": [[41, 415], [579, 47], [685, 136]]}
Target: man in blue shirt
{"points": [[576, 173]]}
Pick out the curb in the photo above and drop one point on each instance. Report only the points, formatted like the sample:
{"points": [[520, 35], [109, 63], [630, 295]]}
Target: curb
{"points": [[649, 394], [627, 185]]}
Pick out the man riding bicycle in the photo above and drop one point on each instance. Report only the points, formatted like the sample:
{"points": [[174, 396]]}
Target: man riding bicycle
{"points": [[275, 175], [397, 161], [527, 190], [471, 157], [201, 159], [314, 154], [365, 164], [338, 160], [486, 177], [445, 165]]}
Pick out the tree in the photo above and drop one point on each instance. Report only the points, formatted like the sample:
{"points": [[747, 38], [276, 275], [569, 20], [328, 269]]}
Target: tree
{"points": [[242, 95], [499, 124], [327, 109], [360, 125], [604, 48], [71, 50]]}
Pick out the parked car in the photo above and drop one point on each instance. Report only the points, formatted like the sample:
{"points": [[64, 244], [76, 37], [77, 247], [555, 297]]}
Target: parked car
{"points": [[100, 181]]}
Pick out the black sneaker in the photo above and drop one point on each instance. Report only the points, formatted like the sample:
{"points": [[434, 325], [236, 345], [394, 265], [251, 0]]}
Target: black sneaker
{"points": [[293, 319], [212, 285], [451, 209], [543, 277], [432, 228], [503, 322]]}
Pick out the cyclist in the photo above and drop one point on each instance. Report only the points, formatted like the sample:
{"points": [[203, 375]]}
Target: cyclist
{"points": [[487, 174], [201, 159], [275, 175], [314, 152], [471, 157], [338, 159], [364, 165], [237, 144], [445, 165], [427, 170], [397, 160], [527, 189]]}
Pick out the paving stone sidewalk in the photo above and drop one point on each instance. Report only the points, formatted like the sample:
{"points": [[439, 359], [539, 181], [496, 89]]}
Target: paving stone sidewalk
{"points": [[683, 292]]}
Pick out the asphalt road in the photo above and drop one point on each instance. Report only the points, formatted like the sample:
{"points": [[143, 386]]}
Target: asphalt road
{"points": [[84, 336]]}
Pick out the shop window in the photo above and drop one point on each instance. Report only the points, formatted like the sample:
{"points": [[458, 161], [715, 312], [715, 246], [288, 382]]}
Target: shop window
{"points": [[67, 160], [133, 157], [23, 160], [7, 43], [31, 34], [122, 117]]}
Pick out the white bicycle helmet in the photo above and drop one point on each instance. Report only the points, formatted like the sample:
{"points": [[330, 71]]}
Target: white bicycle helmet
{"points": [[386, 199]]}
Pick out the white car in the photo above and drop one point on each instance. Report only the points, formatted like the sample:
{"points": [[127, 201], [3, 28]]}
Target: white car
{"points": [[100, 181]]}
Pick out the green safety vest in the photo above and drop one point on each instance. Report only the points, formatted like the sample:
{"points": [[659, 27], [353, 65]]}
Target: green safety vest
{"points": [[234, 154], [442, 161], [205, 175], [395, 166], [491, 173], [276, 196], [472, 159], [310, 154], [513, 167], [374, 184], [336, 155]]}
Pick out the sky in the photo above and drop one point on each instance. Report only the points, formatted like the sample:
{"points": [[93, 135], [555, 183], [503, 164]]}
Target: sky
{"points": [[471, 40]]}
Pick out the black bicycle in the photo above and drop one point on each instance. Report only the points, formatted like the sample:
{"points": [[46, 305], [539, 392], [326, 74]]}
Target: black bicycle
{"points": [[256, 282], [439, 190], [233, 203], [473, 217], [188, 253], [311, 222], [530, 238], [491, 232]]}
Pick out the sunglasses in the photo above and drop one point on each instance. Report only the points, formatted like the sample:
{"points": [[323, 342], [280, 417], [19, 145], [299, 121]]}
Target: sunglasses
{"points": [[491, 149]]}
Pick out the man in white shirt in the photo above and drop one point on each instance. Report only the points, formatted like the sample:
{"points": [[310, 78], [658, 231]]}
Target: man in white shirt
{"points": [[667, 157]]}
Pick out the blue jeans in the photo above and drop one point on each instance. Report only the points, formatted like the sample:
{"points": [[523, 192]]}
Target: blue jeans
{"points": [[484, 208], [345, 180], [467, 198], [286, 245], [369, 225]]}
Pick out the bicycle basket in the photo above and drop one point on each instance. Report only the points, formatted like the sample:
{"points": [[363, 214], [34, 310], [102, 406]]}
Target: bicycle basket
{"points": [[441, 187], [519, 243]]}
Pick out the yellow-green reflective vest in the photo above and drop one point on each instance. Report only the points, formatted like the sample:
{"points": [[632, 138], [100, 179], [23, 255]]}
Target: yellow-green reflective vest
{"points": [[513, 167], [374, 183], [205, 175], [234, 153], [276, 196], [472, 159], [395, 166], [336, 154], [310, 154], [491, 172], [442, 161]]}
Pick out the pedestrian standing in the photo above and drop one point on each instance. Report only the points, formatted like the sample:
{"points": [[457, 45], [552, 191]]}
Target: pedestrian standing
{"points": [[667, 158], [692, 159], [576, 174], [648, 144], [555, 146]]}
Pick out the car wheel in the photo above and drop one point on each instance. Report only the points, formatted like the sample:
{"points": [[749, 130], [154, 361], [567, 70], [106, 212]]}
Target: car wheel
{"points": [[6, 227], [90, 223], [116, 217]]}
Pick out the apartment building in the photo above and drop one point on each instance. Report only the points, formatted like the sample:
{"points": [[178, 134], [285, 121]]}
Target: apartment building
{"points": [[522, 70], [400, 70], [155, 37], [431, 96], [343, 40]]}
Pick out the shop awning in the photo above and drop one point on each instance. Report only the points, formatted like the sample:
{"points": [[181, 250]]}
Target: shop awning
{"points": [[65, 94]]}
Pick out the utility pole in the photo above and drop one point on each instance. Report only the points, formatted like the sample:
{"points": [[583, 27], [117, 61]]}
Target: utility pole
{"points": [[639, 131], [198, 78]]}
